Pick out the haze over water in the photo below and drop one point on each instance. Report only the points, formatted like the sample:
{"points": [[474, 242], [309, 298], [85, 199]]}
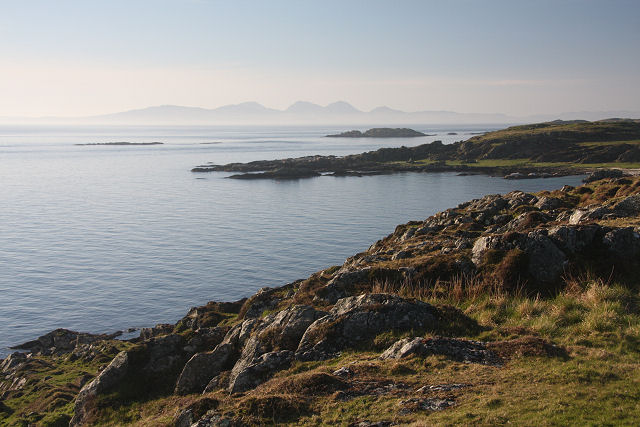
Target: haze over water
{"points": [[102, 238]]}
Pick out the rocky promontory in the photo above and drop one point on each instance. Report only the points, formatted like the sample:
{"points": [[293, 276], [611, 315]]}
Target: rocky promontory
{"points": [[518, 308], [518, 152], [380, 133]]}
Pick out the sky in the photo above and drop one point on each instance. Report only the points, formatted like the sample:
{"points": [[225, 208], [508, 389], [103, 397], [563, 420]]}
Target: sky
{"points": [[87, 57]]}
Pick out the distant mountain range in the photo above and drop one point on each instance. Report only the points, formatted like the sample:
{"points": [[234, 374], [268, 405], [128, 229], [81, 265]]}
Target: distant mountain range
{"points": [[301, 112]]}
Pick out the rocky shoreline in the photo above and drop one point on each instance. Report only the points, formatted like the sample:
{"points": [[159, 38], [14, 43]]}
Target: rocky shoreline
{"points": [[378, 162], [224, 358], [519, 152]]}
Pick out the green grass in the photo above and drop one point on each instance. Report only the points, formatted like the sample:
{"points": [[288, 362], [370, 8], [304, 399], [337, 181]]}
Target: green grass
{"points": [[598, 323], [491, 163], [606, 143], [47, 398], [621, 165], [528, 163]]}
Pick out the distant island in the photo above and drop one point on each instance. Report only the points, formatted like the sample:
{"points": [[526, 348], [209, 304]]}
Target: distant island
{"points": [[123, 143], [527, 151], [380, 133]]}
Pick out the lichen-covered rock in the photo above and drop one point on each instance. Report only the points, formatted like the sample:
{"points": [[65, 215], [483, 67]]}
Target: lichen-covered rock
{"points": [[61, 341], [525, 221], [214, 419], [277, 332], [159, 329], [623, 243], [546, 261], [184, 418], [574, 239], [628, 206], [205, 339], [355, 320], [548, 203], [457, 349], [164, 353], [12, 361], [490, 204], [588, 213], [202, 367], [105, 381], [515, 199], [404, 348], [209, 315], [482, 245], [260, 369], [265, 299], [341, 281]]}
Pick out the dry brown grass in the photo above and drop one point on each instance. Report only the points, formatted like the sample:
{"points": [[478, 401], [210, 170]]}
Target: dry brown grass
{"points": [[461, 288]]}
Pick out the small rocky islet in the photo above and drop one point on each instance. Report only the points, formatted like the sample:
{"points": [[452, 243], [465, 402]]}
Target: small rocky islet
{"points": [[380, 133], [513, 308]]}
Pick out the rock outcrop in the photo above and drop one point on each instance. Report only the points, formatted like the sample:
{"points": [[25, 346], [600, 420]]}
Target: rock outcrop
{"points": [[355, 320], [457, 349], [202, 367], [62, 341], [104, 382]]}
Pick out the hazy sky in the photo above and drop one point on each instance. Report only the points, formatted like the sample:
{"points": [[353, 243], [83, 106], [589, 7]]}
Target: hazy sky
{"points": [[85, 57]]}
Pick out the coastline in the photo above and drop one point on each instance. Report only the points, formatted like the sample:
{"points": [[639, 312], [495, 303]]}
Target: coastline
{"points": [[538, 150], [316, 318]]}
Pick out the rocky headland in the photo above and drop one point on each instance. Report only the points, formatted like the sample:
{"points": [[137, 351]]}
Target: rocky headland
{"points": [[528, 151], [380, 133], [520, 308]]}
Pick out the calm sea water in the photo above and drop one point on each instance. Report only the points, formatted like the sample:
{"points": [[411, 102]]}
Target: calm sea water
{"points": [[102, 238]]}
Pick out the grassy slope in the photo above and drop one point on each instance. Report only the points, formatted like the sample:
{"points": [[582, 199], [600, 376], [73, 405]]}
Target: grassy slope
{"points": [[598, 384], [548, 146], [52, 385], [563, 142], [564, 131]]}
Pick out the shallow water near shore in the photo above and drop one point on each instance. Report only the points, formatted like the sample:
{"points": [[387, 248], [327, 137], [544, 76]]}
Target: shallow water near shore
{"points": [[102, 238]]}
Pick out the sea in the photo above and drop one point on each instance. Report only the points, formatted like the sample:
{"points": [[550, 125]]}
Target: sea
{"points": [[101, 238]]}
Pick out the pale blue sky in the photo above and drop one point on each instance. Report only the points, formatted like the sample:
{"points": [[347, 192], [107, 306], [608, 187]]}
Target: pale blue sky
{"points": [[518, 57]]}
